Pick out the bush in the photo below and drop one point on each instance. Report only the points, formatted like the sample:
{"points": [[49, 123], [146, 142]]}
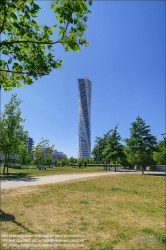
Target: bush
{"points": [[17, 166], [28, 167]]}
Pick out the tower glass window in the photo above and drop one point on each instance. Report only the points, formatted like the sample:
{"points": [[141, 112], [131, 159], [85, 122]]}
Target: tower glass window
{"points": [[84, 115]]}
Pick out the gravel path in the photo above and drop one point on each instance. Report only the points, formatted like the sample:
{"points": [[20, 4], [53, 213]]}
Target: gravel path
{"points": [[32, 181]]}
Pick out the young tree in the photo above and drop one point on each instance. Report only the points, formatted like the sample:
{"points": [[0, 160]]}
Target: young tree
{"points": [[43, 151], [27, 46], [12, 133], [113, 149], [85, 162], [80, 161], [100, 143], [160, 155], [124, 160], [58, 164], [141, 144], [71, 161], [22, 155], [63, 162], [67, 162], [48, 160]]}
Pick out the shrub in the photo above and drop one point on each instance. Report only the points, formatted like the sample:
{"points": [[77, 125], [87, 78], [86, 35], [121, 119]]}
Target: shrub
{"points": [[28, 167], [17, 166]]}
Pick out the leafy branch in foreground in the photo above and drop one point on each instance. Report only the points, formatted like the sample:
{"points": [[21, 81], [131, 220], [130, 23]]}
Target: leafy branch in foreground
{"points": [[26, 47]]}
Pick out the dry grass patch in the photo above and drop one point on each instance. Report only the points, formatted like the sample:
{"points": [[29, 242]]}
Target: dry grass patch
{"points": [[111, 211]]}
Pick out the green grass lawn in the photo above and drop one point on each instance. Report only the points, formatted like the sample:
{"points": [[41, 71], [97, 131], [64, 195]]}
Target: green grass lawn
{"points": [[111, 212], [17, 173]]}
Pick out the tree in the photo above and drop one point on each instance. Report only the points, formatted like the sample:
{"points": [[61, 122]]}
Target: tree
{"points": [[141, 144], [12, 133], [48, 160], [67, 162], [71, 161], [100, 143], [63, 162], [58, 163], [43, 153], [160, 155], [108, 148], [123, 159], [113, 149], [85, 162], [27, 46], [79, 162], [22, 155]]}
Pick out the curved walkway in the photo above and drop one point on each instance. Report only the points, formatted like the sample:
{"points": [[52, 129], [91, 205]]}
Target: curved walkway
{"points": [[32, 181]]}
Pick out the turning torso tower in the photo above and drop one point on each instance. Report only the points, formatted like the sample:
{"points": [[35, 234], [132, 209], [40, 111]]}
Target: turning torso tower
{"points": [[84, 115]]}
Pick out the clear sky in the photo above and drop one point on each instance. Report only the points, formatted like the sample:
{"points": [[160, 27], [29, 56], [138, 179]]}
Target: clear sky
{"points": [[125, 61]]}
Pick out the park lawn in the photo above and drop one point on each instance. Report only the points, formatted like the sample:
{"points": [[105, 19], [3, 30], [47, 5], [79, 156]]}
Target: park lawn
{"points": [[112, 212], [34, 172]]}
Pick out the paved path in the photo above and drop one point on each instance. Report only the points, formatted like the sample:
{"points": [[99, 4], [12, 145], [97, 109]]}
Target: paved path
{"points": [[32, 181]]}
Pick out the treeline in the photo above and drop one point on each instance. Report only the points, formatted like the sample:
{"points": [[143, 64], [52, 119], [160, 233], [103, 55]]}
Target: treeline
{"points": [[13, 151], [141, 149]]}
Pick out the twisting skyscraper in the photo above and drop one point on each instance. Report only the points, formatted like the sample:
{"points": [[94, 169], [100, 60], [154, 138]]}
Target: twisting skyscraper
{"points": [[84, 121]]}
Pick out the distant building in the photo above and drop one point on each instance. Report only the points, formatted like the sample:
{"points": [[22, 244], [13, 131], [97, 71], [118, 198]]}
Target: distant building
{"points": [[29, 143], [84, 118], [58, 156]]}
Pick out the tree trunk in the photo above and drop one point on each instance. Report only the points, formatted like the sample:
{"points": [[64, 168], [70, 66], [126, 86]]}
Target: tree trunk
{"points": [[142, 166], [115, 168], [4, 167], [7, 163]]}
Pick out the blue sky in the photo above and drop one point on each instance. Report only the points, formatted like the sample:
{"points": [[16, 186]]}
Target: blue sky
{"points": [[125, 61]]}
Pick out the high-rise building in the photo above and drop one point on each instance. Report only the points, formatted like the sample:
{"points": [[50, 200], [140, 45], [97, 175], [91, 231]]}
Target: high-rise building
{"points": [[29, 143], [84, 118]]}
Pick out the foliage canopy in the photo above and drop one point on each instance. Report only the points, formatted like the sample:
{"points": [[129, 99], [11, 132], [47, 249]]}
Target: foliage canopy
{"points": [[12, 134], [141, 144], [26, 47], [160, 155]]}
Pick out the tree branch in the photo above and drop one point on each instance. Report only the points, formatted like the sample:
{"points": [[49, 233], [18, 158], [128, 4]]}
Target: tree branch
{"points": [[20, 72], [37, 42], [65, 30], [4, 19], [28, 41]]}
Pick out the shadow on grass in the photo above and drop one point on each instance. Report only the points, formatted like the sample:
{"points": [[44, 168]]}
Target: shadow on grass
{"points": [[17, 177], [13, 175], [9, 217], [121, 170], [156, 174]]}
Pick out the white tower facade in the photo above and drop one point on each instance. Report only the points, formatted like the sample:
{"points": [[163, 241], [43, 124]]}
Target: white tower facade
{"points": [[84, 118]]}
